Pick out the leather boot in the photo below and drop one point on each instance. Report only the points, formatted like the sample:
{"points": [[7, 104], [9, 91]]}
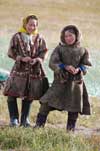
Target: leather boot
{"points": [[26, 104], [71, 125], [40, 121], [13, 111], [71, 122]]}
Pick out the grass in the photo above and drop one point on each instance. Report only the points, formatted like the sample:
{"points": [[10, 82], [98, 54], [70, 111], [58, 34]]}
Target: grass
{"points": [[56, 118], [46, 140], [53, 16], [53, 137]]}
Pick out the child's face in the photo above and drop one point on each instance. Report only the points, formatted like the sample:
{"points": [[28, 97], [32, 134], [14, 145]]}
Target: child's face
{"points": [[31, 25], [70, 38]]}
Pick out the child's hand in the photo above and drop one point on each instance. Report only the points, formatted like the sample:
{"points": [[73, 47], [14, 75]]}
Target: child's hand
{"points": [[70, 69], [76, 70], [33, 61], [26, 59]]}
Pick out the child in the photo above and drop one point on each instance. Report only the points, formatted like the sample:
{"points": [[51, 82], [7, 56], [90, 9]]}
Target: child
{"points": [[27, 49], [68, 91]]}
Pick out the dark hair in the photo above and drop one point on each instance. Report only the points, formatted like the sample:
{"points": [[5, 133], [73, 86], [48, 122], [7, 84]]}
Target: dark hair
{"points": [[72, 29], [31, 17]]}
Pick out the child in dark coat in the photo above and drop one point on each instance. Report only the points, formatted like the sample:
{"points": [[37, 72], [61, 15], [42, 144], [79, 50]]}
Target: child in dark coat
{"points": [[68, 91]]}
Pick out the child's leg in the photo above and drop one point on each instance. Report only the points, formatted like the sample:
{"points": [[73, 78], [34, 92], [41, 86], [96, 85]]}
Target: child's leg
{"points": [[42, 115], [25, 110], [71, 122], [13, 110]]}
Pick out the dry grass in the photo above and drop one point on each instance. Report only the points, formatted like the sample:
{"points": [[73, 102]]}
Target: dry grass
{"points": [[56, 118], [53, 136], [53, 16]]}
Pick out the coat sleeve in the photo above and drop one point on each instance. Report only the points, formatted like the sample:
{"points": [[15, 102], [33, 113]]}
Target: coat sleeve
{"points": [[12, 50], [85, 62], [55, 60], [42, 49], [85, 59]]}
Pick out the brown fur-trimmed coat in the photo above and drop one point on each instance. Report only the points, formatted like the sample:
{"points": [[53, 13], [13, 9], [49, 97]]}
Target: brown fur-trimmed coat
{"points": [[25, 79], [67, 92]]}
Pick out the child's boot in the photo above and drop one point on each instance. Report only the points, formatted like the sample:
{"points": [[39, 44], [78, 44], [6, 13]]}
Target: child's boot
{"points": [[13, 111], [71, 122], [71, 125], [40, 121], [26, 104]]}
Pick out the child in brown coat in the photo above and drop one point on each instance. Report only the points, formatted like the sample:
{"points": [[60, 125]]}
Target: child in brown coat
{"points": [[27, 49], [68, 92]]}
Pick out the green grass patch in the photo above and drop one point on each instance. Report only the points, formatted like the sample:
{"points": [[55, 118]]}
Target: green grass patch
{"points": [[21, 139], [54, 136]]}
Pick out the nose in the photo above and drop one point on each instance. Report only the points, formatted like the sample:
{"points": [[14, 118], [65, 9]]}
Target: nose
{"points": [[34, 26]]}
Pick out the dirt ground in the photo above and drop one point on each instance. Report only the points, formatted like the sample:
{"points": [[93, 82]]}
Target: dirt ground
{"points": [[79, 129]]}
